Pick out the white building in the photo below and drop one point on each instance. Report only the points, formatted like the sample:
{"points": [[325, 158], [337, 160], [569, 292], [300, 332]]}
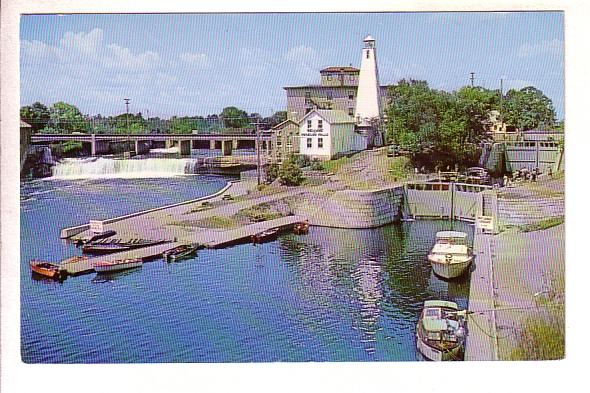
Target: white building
{"points": [[328, 134]]}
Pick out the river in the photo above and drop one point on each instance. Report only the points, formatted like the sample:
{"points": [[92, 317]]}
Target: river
{"points": [[333, 295]]}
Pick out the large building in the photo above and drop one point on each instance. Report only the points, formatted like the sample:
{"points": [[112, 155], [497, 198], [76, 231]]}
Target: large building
{"points": [[348, 90]]}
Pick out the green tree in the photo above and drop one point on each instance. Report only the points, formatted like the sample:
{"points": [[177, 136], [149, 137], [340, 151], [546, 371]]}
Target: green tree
{"points": [[37, 115], [137, 123], [528, 108], [289, 173], [234, 118], [276, 118], [65, 118]]}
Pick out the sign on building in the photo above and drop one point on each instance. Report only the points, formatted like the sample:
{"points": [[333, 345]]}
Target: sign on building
{"points": [[96, 226]]}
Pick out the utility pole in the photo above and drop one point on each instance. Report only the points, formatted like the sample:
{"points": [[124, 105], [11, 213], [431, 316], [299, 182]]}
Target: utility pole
{"points": [[472, 78], [257, 124], [128, 136], [501, 99]]}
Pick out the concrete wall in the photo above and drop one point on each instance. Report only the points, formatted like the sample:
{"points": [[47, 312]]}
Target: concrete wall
{"points": [[351, 208], [515, 212]]}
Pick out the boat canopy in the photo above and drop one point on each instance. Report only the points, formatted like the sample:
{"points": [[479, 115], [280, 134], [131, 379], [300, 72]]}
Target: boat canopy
{"points": [[451, 235], [434, 324], [440, 303]]}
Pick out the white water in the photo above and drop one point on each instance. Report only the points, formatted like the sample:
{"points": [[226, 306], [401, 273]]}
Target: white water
{"points": [[76, 168]]}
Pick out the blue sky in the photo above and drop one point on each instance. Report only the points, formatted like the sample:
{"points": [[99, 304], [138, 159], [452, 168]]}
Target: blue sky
{"points": [[197, 64]]}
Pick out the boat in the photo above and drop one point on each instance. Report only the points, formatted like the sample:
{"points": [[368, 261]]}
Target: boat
{"points": [[47, 269], [450, 257], [440, 333], [267, 235], [180, 252], [301, 228], [108, 248], [115, 266]]}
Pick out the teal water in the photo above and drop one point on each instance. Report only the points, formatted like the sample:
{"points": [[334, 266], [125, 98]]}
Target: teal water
{"points": [[333, 295]]}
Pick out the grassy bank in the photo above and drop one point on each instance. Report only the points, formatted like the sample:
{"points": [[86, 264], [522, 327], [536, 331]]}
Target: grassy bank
{"points": [[543, 224]]}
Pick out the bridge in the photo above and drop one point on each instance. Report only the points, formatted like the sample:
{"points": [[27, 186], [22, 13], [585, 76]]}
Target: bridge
{"points": [[100, 143]]}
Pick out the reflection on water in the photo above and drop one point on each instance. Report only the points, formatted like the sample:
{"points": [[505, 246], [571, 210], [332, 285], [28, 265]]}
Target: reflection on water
{"points": [[331, 295]]}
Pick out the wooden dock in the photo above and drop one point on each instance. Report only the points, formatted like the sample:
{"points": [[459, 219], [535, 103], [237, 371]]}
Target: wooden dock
{"points": [[209, 239], [87, 265]]}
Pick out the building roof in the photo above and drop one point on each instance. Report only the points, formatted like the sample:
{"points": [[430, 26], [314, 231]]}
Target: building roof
{"points": [[340, 69], [24, 124], [282, 124], [369, 38], [331, 116]]}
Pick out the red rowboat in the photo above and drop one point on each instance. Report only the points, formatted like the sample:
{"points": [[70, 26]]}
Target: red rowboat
{"points": [[47, 269]]}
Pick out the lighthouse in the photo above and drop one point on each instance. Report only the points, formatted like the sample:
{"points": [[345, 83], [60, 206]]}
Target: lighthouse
{"points": [[368, 102]]}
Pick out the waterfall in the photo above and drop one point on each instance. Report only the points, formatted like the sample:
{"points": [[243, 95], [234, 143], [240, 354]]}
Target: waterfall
{"points": [[84, 168]]}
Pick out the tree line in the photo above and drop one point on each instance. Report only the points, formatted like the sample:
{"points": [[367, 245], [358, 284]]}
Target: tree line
{"points": [[63, 118], [441, 129]]}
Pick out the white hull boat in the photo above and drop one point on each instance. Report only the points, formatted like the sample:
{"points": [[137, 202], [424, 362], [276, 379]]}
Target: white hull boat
{"points": [[450, 257], [440, 333], [115, 266]]}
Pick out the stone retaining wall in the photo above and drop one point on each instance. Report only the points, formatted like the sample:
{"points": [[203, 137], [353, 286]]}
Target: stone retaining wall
{"points": [[352, 208]]}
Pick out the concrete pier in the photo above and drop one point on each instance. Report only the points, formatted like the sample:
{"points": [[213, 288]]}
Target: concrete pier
{"points": [[482, 338]]}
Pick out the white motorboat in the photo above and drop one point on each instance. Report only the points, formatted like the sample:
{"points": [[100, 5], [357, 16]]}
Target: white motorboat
{"points": [[115, 266], [440, 333], [450, 257]]}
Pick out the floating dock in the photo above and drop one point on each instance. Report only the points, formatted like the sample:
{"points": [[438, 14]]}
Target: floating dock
{"points": [[209, 239]]}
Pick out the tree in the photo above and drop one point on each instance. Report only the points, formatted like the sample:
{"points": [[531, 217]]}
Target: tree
{"points": [[276, 118], [528, 108], [65, 118], [234, 118], [289, 173], [37, 115], [136, 123]]}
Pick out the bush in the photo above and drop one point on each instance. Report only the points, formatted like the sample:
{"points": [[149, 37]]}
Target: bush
{"points": [[301, 161], [541, 338], [290, 173], [272, 172], [316, 165]]}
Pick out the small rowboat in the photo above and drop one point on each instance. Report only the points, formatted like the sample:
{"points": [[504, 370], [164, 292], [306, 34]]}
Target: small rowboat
{"points": [[47, 269], [108, 248], [301, 228], [268, 235], [180, 252], [115, 266]]}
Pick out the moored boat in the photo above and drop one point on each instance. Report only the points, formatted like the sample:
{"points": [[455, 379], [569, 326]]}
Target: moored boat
{"points": [[301, 228], [450, 257], [115, 266], [180, 252], [107, 248], [440, 333], [47, 269], [264, 236]]}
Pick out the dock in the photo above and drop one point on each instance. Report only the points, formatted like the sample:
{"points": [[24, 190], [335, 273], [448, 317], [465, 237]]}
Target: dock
{"points": [[482, 338], [208, 239]]}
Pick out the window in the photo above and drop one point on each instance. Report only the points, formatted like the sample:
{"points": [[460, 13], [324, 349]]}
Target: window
{"points": [[307, 98], [367, 54], [329, 77], [329, 94], [320, 143], [309, 144], [351, 95], [309, 124], [320, 124], [350, 111]]}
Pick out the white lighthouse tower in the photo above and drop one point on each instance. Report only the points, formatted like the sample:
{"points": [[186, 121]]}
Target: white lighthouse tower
{"points": [[368, 102]]}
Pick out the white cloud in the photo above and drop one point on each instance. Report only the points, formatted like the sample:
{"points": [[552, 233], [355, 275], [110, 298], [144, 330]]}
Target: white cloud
{"points": [[198, 60], [552, 47], [86, 50]]}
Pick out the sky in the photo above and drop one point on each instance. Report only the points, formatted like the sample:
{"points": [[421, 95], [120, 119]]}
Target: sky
{"points": [[197, 64]]}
